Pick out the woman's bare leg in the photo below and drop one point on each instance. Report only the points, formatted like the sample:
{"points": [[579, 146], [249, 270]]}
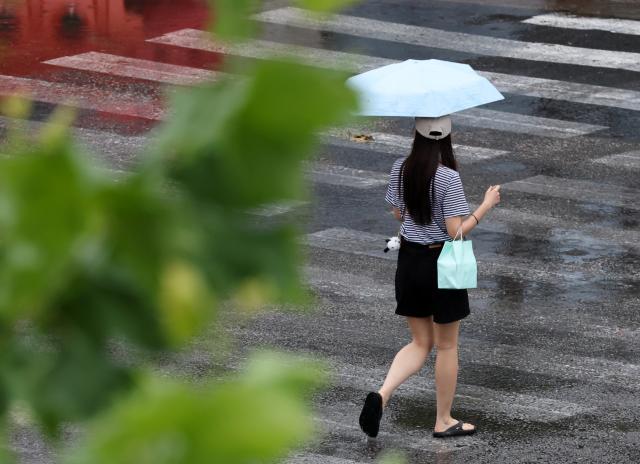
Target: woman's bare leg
{"points": [[411, 357], [446, 342]]}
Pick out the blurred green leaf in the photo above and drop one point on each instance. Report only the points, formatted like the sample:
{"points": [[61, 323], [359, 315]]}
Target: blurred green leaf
{"points": [[4, 399], [185, 301], [295, 375], [144, 259], [15, 106], [324, 6], [232, 19], [78, 380], [254, 418], [45, 197], [250, 153], [392, 457], [241, 252]]}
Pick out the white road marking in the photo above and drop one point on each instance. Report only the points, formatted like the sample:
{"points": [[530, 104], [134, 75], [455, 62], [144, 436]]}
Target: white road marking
{"points": [[579, 190], [82, 97], [344, 176], [119, 149], [459, 41], [525, 270], [495, 403], [614, 7], [400, 145], [263, 49], [528, 225], [279, 208], [565, 21], [519, 85], [628, 160], [343, 417], [523, 124], [540, 361], [566, 91], [314, 458], [374, 293], [135, 68]]}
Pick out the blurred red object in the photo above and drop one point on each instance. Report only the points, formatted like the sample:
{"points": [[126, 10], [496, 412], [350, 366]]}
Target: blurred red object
{"points": [[32, 31]]}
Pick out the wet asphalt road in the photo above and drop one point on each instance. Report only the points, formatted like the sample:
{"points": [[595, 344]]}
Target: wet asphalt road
{"points": [[549, 358]]}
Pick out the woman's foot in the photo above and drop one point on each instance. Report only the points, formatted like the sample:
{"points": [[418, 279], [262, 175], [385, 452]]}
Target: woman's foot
{"points": [[385, 400], [371, 414], [452, 428]]}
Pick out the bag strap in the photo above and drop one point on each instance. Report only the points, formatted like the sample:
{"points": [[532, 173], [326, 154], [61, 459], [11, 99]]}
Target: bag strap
{"points": [[459, 232], [401, 220]]}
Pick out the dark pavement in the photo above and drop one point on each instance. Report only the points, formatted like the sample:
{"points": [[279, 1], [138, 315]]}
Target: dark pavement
{"points": [[549, 358]]}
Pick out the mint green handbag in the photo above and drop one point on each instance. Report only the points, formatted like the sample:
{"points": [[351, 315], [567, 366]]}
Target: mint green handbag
{"points": [[457, 267]]}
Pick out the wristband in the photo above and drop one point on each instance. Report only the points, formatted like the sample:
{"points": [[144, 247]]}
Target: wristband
{"points": [[474, 217]]}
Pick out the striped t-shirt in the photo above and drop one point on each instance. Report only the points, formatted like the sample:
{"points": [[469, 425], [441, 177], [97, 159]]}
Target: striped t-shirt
{"points": [[449, 201]]}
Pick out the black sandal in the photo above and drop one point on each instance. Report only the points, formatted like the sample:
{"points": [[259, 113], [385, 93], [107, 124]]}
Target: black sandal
{"points": [[454, 431], [371, 414]]}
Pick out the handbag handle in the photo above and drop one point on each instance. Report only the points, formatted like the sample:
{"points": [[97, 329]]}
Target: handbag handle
{"points": [[459, 232], [401, 221]]}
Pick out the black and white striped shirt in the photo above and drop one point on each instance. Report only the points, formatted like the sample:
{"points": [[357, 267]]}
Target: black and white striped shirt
{"points": [[449, 201]]}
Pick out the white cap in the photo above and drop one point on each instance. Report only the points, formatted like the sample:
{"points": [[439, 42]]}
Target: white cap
{"points": [[434, 128]]}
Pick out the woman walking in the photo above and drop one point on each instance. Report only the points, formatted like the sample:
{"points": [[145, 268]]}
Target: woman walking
{"points": [[427, 196]]}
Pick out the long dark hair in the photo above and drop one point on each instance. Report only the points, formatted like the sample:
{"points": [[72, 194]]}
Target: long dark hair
{"points": [[417, 173]]}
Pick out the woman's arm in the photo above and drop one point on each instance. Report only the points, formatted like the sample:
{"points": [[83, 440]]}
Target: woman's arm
{"points": [[491, 198]]}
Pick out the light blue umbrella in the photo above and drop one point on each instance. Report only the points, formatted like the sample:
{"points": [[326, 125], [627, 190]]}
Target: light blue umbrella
{"points": [[422, 88]]}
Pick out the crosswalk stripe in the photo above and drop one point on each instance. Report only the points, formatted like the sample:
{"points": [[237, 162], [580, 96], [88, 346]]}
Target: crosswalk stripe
{"points": [[545, 362], [135, 68], [523, 124], [519, 85], [343, 176], [459, 41], [263, 49], [370, 244], [495, 403], [539, 226], [490, 402], [401, 145], [118, 150], [478, 351], [566, 91], [501, 121], [279, 208], [579, 190], [314, 458], [122, 150], [182, 75], [565, 21], [615, 8], [477, 117], [82, 97], [343, 417], [628, 160], [372, 293]]}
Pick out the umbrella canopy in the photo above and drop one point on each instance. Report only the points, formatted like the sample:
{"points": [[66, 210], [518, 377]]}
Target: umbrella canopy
{"points": [[422, 88]]}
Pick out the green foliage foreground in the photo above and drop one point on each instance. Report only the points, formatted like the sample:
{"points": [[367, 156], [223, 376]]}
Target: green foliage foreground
{"points": [[146, 259]]}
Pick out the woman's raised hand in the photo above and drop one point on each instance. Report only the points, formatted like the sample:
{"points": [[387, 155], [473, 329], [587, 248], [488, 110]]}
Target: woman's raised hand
{"points": [[492, 196]]}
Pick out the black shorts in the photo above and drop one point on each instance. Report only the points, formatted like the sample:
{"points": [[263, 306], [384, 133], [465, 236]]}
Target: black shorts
{"points": [[417, 291]]}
